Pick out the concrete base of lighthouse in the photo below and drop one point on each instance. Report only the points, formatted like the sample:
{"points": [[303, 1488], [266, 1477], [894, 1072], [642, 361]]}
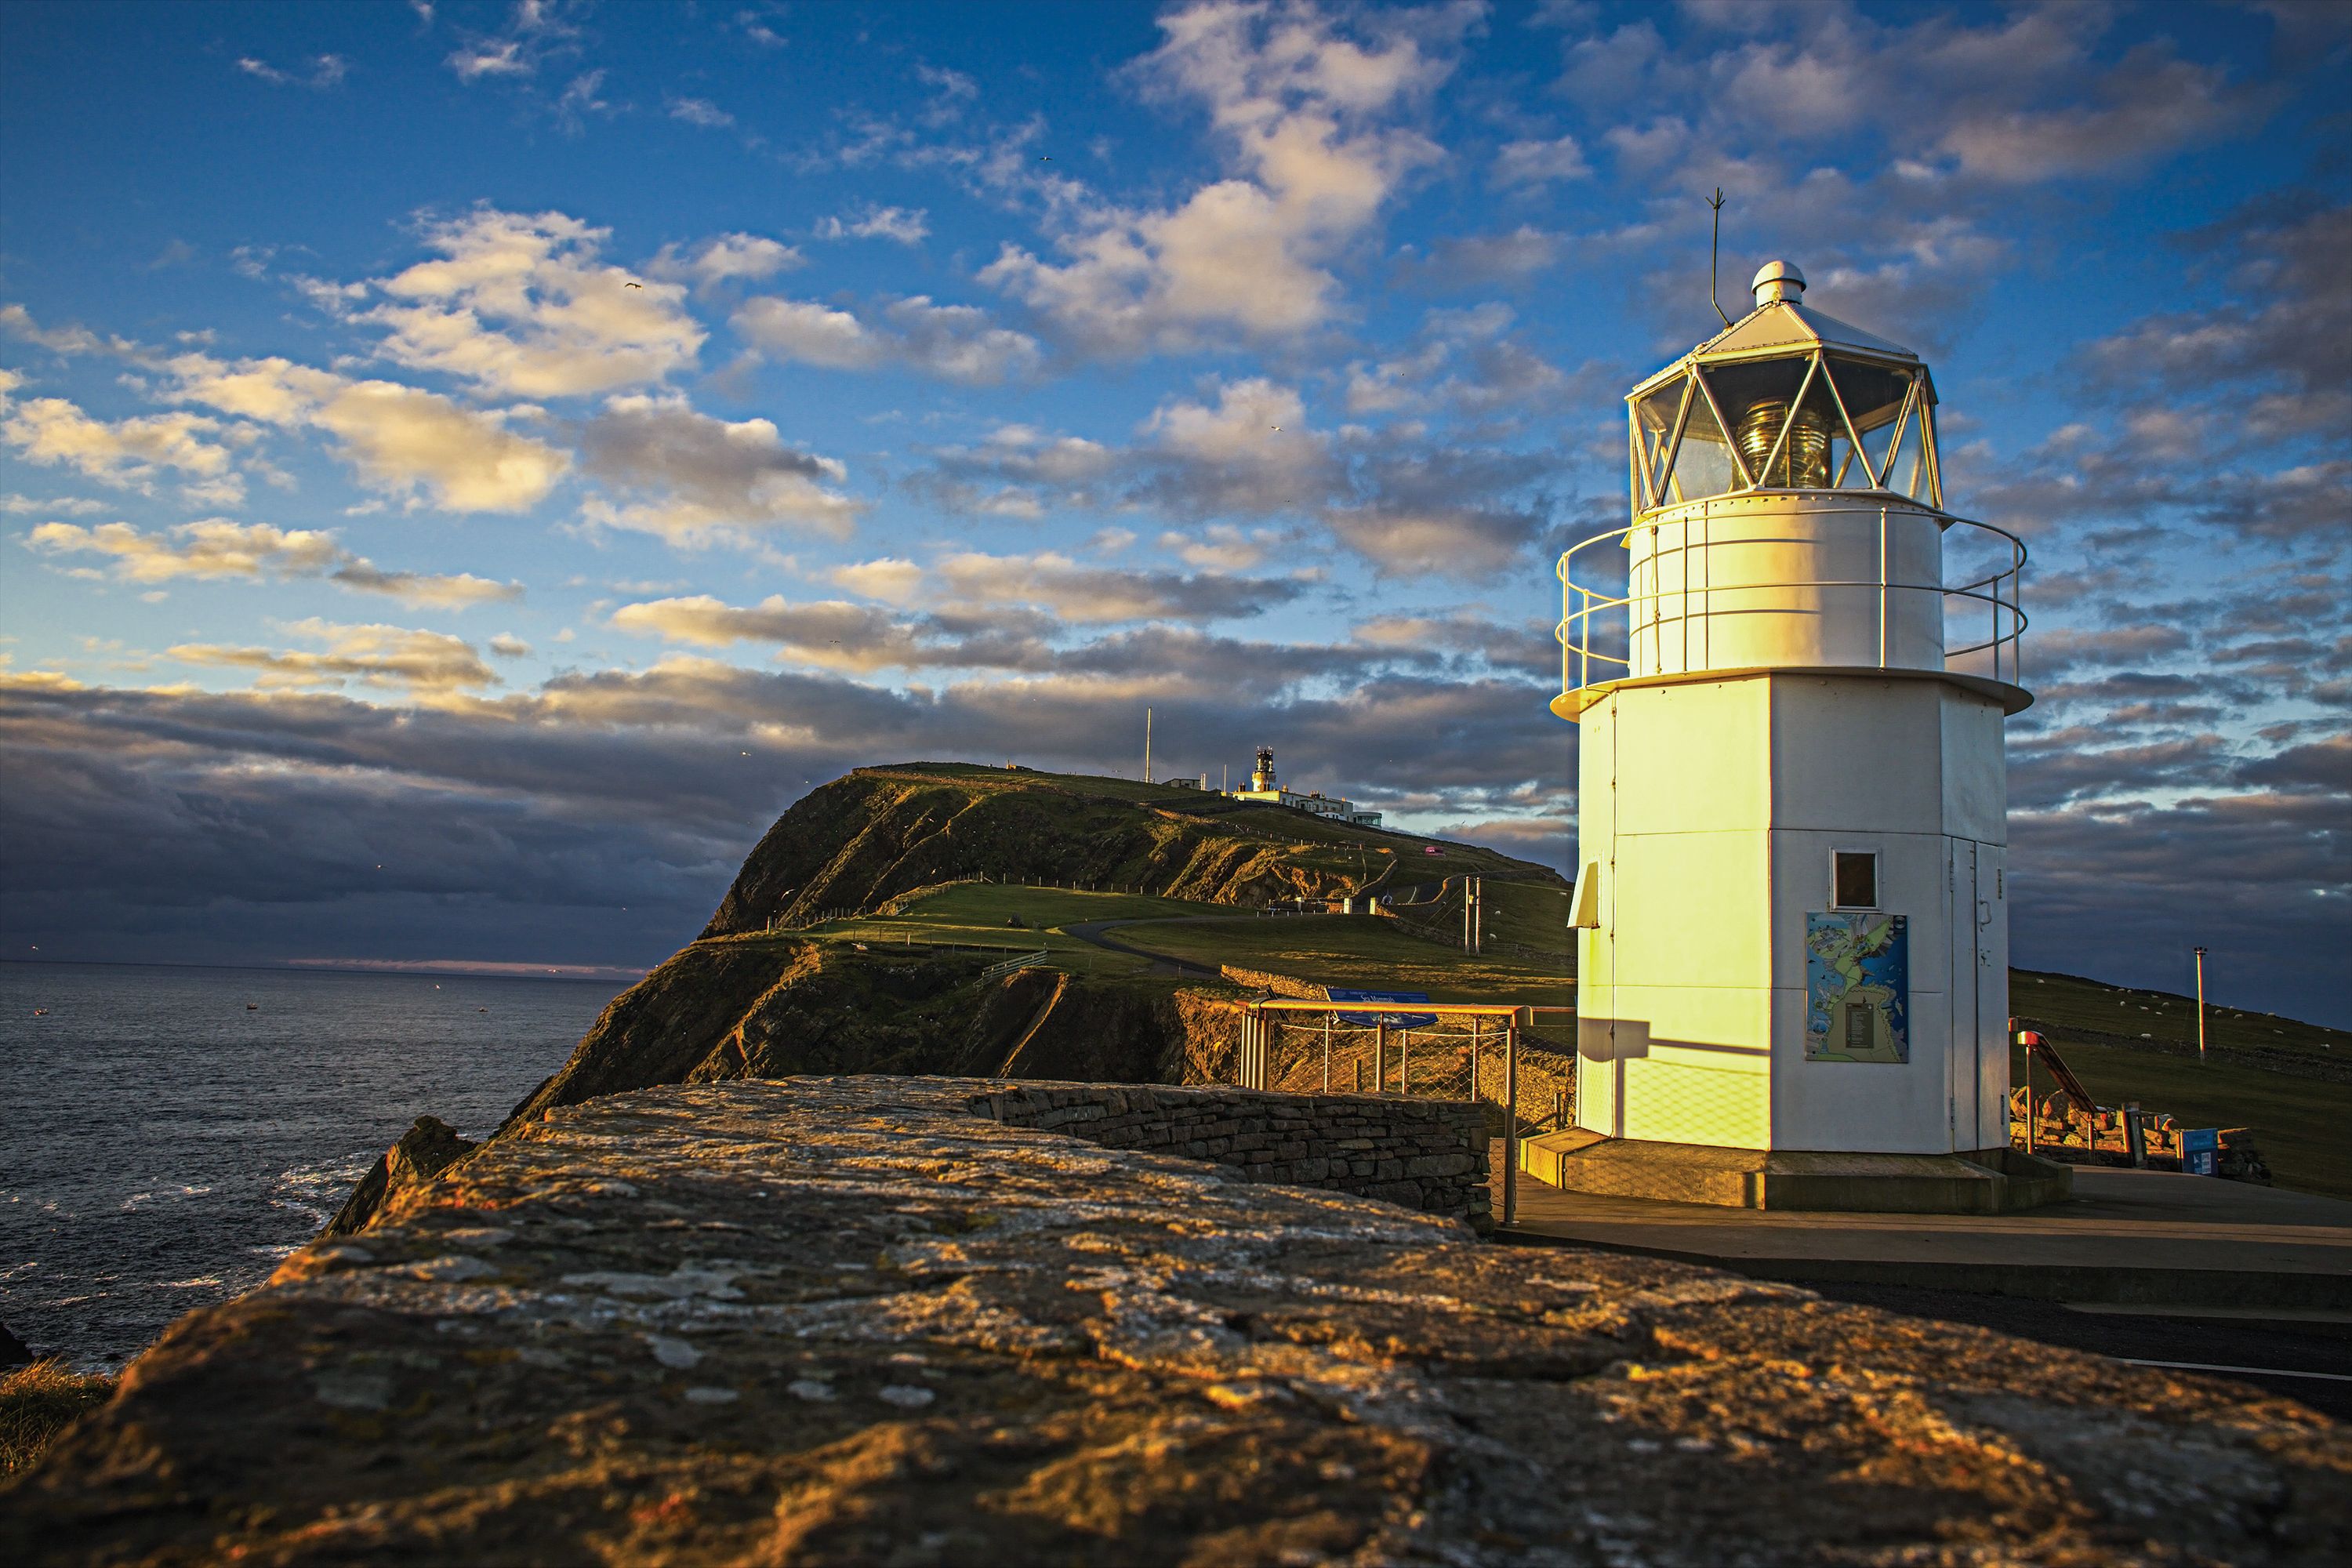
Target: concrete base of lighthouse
{"points": [[1986, 1181]]}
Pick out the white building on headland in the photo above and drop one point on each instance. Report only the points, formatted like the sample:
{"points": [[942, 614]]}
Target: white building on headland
{"points": [[1265, 787]]}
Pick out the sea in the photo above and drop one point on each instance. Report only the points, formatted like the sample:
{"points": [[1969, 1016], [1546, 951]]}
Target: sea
{"points": [[168, 1134]]}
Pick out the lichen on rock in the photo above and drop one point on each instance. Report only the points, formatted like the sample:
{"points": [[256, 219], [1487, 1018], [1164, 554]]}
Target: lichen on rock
{"points": [[847, 1321]]}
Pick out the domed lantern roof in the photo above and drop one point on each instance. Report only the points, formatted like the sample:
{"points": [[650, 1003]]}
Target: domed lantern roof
{"points": [[1786, 398]]}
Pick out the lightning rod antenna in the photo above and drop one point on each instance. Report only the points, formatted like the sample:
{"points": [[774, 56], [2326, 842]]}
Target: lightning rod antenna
{"points": [[1715, 248]]}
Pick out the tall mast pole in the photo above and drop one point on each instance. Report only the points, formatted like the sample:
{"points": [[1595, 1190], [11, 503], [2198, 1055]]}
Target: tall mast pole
{"points": [[1146, 745], [2200, 1006]]}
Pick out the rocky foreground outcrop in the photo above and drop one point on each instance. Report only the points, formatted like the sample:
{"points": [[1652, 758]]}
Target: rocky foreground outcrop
{"points": [[847, 1321]]}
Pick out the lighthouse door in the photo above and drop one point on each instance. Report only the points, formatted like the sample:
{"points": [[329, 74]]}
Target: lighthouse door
{"points": [[1963, 1073]]}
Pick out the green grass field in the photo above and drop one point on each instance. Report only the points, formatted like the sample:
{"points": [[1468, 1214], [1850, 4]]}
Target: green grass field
{"points": [[976, 914], [1532, 913], [1344, 949], [2070, 1001], [2302, 1125], [1319, 949]]}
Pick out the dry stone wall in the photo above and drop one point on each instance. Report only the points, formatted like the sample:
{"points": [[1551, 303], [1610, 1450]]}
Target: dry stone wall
{"points": [[1430, 1155]]}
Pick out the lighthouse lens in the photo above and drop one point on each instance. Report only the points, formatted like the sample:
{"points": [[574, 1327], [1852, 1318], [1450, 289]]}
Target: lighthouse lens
{"points": [[1801, 462]]}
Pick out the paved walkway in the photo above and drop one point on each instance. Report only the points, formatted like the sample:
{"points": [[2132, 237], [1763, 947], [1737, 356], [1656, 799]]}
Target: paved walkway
{"points": [[2153, 1235], [1092, 931]]}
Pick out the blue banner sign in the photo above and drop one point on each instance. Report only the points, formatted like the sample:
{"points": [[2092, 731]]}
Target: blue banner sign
{"points": [[1394, 1020]]}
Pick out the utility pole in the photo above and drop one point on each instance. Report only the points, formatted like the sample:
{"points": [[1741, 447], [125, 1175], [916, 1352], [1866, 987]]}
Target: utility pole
{"points": [[1146, 745], [1478, 931], [2200, 1006]]}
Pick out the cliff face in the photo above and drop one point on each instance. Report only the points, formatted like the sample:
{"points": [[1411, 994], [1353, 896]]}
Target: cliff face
{"points": [[848, 1322], [854, 844], [773, 1007]]}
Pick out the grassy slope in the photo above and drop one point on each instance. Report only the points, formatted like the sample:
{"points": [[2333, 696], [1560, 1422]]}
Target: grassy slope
{"points": [[2070, 1001], [1534, 913], [976, 914], [2301, 1124], [1355, 951]]}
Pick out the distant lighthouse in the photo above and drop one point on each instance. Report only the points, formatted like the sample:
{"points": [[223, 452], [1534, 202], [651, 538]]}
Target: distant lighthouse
{"points": [[1792, 797]]}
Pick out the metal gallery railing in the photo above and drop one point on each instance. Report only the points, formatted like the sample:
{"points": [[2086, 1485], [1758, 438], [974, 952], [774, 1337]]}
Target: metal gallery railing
{"points": [[1996, 592]]}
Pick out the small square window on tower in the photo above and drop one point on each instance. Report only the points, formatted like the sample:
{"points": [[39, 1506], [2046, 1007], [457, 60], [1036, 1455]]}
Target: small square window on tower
{"points": [[1854, 879]]}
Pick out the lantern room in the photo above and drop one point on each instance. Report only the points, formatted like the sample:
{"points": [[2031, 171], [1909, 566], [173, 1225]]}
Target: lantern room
{"points": [[1787, 398]]}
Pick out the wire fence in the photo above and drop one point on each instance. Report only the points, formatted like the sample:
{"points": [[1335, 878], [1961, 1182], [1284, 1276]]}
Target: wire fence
{"points": [[1449, 1059]]}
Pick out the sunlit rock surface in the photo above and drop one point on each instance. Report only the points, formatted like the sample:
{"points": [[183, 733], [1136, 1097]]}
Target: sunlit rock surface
{"points": [[845, 1321]]}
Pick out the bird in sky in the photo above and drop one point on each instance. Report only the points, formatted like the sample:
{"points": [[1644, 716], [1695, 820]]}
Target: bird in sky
{"points": [[1045, 157], [632, 285], [1275, 428]]}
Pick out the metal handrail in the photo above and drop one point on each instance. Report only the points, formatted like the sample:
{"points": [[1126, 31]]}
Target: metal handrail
{"points": [[1574, 631]]}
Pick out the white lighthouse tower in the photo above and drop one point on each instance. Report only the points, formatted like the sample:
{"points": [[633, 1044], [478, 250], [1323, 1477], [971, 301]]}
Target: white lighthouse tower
{"points": [[1794, 967]]}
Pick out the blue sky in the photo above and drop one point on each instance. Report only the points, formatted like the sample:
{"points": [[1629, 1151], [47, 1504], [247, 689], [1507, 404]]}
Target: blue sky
{"points": [[466, 467]]}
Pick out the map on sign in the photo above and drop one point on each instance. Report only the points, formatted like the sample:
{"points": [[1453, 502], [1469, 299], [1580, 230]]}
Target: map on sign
{"points": [[1857, 987]]}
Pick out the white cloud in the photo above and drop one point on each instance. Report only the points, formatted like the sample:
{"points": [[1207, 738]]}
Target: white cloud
{"points": [[892, 579], [521, 304], [212, 548], [953, 342], [830, 634], [421, 663], [579, 98], [1542, 163], [125, 453], [1096, 594], [2152, 107], [399, 439], [726, 256], [19, 322], [878, 223], [700, 112], [694, 480], [1299, 106], [326, 71], [1221, 547], [217, 548], [808, 333], [535, 30], [1251, 451], [21, 506]]}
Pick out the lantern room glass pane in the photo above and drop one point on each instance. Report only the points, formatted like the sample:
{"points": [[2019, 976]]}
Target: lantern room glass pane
{"points": [[1703, 464], [1874, 393], [1653, 427]]}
